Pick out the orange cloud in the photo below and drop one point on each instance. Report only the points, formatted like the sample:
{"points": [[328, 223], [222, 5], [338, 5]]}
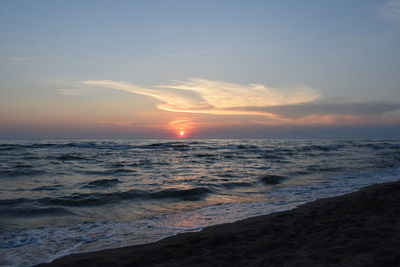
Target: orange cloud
{"points": [[257, 103], [216, 97]]}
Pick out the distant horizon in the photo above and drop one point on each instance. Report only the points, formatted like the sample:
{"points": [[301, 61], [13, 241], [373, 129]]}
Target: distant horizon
{"points": [[188, 139], [388, 133]]}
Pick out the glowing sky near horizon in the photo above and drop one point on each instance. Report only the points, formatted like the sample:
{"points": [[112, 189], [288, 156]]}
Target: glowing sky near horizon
{"points": [[149, 69]]}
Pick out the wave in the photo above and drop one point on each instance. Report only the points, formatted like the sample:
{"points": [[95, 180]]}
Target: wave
{"points": [[102, 145], [17, 172], [117, 165], [248, 147], [86, 200], [147, 162], [18, 242], [102, 183], [190, 144], [193, 194], [91, 145], [98, 199], [140, 163], [322, 168], [325, 148], [204, 155], [274, 153], [116, 171], [168, 145], [273, 156], [25, 146], [271, 179], [34, 212], [374, 145], [66, 157], [235, 185], [6, 147], [47, 188]]}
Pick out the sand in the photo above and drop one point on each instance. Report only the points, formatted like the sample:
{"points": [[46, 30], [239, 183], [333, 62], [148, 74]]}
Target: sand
{"points": [[357, 229]]}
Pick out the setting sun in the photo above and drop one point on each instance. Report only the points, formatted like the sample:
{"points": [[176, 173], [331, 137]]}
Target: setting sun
{"points": [[181, 133]]}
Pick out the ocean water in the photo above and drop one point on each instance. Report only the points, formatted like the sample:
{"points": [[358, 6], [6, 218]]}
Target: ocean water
{"points": [[65, 196]]}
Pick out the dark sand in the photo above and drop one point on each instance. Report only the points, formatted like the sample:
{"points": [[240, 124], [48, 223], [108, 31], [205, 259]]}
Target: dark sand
{"points": [[357, 229]]}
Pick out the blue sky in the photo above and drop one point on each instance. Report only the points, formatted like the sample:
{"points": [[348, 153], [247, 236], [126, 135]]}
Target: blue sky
{"points": [[62, 64]]}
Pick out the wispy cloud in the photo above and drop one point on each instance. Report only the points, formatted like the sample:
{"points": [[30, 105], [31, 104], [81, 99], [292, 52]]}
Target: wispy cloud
{"points": [[260, 104], [322, 112], [216, 97], [393, 115], [167, 97], [224, 95], [322, 107], [391, 10]]}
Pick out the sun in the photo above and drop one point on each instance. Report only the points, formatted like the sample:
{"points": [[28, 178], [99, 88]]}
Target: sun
{"points": [[181, 134]]}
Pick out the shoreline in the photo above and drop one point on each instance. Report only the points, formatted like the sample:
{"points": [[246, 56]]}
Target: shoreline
{"points": [[356, 229]]}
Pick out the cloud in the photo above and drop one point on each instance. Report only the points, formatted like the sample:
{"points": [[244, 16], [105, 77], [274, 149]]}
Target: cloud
{"points": [[392, 115], [257, 103], [228, 95], [306, 109], [169, 98], [322, 112], [216, 97], [391, 10]]}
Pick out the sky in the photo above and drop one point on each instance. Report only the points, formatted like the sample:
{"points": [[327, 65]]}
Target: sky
{"points": [[200, 69]]}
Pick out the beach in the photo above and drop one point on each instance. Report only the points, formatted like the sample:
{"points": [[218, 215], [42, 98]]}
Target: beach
{"points": [[357, 229]]}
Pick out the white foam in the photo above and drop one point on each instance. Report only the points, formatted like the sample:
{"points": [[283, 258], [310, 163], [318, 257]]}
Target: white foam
{"points": [[34, 246]]}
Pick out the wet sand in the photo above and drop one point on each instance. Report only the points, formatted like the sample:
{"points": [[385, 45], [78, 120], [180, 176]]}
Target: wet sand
{"points": [[357, 229]]}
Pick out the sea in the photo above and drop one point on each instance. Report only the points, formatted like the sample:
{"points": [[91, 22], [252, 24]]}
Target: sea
{"points": [[59, 197]]}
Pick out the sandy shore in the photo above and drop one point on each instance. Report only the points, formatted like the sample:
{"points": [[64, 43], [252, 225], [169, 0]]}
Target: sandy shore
{"points": [[357, 229]]}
